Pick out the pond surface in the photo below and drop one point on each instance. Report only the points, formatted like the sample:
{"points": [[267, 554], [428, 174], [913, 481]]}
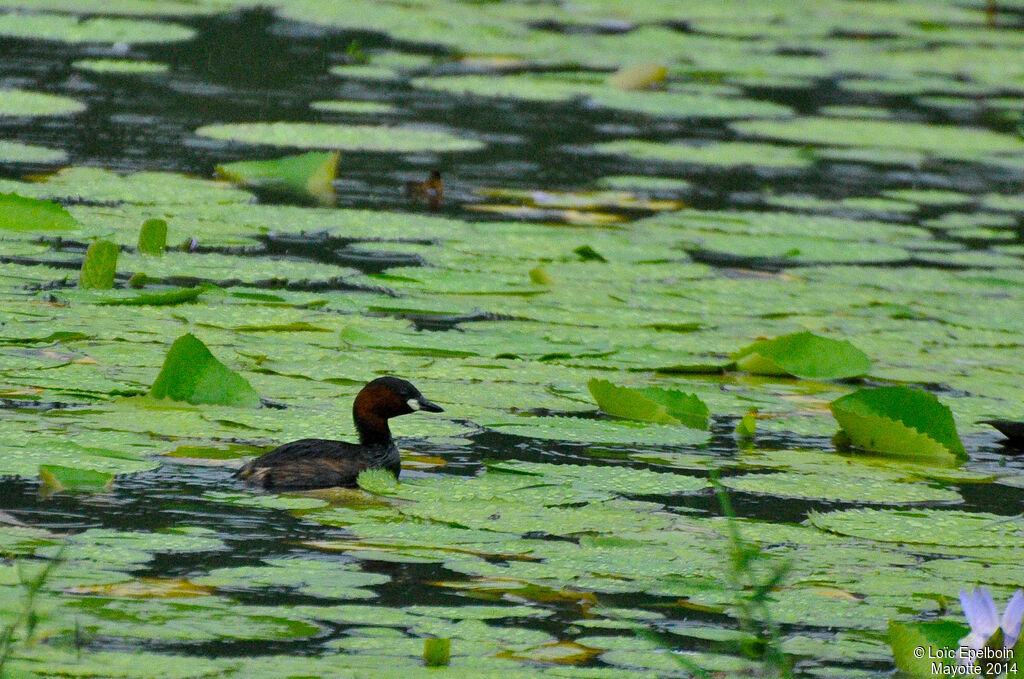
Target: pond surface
{"points": [[853, 174]]}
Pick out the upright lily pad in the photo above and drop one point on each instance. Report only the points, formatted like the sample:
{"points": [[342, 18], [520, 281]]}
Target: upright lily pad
{"points": [[664, 406], [57, 478], [18, 213], [306, 176], [153, 237], [917, 646], [191, 373], [99, 265], [436, 652], [899, 421], [803, 354]]}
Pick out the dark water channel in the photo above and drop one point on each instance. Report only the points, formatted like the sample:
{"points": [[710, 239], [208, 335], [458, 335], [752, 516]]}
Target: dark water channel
{"points": [[249, 66]]}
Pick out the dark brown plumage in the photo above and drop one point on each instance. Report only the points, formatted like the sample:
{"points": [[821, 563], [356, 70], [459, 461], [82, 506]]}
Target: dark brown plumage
{"points": [[431, 190], [322, 463]]}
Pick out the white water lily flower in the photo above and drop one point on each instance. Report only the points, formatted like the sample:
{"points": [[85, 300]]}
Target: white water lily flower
{"points": [[983, 617], [1012, 618]]}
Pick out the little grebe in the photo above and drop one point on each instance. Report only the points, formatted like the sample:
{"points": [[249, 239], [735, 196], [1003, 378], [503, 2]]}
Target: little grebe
{"points": [[321, 463], [431, 190]]}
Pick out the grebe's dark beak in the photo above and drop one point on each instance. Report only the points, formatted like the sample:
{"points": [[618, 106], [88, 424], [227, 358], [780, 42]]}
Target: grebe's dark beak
{"points": [[429, 406]]}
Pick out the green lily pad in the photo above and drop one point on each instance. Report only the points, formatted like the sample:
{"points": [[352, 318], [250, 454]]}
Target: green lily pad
{"points": [[153, 237], [726, 154], [923, 527], [306, 176], [644, 183], [316, 578], [650, 404], [367, 107], [15, 152], [919, 647], [746, 427], [899, 421], [851, 489], [25, 103], [344, 137], [565, 87], [803, 354], [126, 66], [99, 266], [436, 652], [947, 141], [72, 29], [171, 297], [140, 188], [191, 373], [614, 479], [18, 213], [57, 478]]}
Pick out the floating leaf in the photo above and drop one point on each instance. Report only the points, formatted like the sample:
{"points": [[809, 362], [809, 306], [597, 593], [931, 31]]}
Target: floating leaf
{"points": [[853, 488], [899, 421], [147, 588], [168, 298], [26, 103], [126, 66], [346, 106], [437, 652], [346, 137], [609, 478], [153, 237], [650, 404], [378, 481], [803, 354], [18, 213], [191, 373], [581, 200], [307, 176], [946, 527], [948, 141], [99, 265], [644, 183], [316, 578], [589, 254], [16, 152], [73, 29], [57, 478], [297, 326], [639, 77], [723, 153]]}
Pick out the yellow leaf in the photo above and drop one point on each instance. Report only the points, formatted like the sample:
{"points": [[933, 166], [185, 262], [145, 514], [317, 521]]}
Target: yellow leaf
{"points": [[639, 77], [147, 588]]}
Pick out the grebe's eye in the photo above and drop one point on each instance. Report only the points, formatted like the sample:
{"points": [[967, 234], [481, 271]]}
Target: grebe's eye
{"points": [[414, 403]]}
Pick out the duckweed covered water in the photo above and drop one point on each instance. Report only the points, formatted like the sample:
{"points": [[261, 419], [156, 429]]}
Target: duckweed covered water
{"points": [[849, 169]]}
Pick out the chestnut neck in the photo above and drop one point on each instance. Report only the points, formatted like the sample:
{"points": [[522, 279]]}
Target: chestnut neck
{"points": [[373, 430], [369, 411]]}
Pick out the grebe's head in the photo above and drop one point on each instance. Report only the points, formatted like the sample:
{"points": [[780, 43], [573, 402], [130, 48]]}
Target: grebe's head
{"points": [[387, 397]]}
